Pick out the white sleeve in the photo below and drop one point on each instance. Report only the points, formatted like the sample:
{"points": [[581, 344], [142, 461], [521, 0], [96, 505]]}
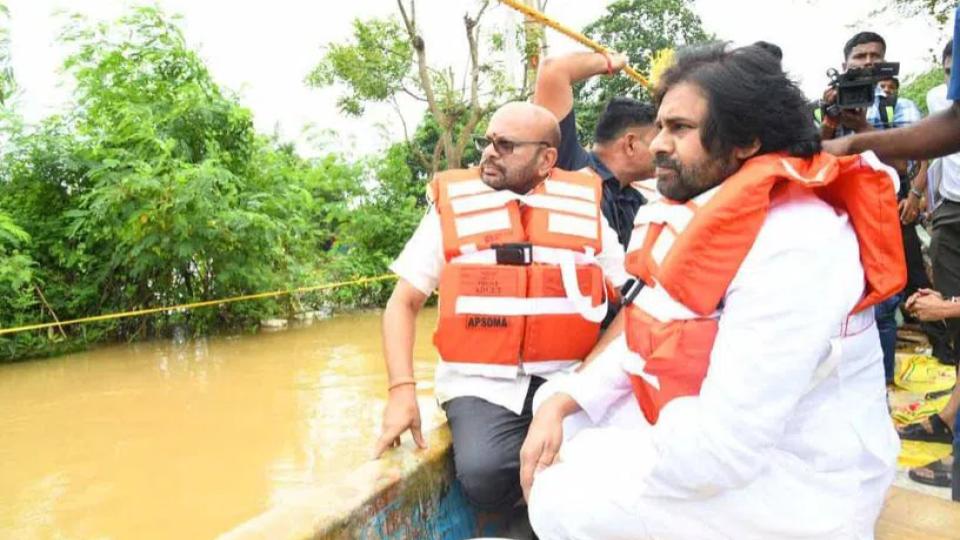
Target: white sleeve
{"points": [[611, 258], [788, 299], [421, 260], [601, 383]]}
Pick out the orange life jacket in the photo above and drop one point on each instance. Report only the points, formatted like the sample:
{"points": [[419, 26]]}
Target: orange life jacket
{"points": [[687, 254], [522, 289]]}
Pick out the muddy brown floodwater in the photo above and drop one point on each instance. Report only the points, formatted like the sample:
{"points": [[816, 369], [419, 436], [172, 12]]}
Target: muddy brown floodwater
{"points": [[188, 440]]}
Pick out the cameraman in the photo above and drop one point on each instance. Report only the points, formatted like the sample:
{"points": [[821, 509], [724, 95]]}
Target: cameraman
{"points": [[865, 50]]}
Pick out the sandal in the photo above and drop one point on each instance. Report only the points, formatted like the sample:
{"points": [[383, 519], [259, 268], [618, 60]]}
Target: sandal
{"points": [[939, 431], [940, 474], [930, 396]]}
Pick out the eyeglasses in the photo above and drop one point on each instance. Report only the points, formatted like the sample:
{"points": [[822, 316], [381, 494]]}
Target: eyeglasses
{"points": [[503, 146]]}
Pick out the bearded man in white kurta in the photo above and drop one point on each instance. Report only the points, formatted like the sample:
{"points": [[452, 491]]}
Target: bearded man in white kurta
{"points": [[741, 393]]}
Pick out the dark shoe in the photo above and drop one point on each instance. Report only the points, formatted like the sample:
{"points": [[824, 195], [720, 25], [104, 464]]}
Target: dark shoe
{"points": [[938, 474], [939, 431]]}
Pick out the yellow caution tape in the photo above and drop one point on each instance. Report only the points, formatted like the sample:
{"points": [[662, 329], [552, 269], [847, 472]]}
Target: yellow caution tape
{"points": [[193, 305]]}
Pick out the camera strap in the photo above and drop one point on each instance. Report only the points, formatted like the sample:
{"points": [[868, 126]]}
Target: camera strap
{"points": [[886, 113]]}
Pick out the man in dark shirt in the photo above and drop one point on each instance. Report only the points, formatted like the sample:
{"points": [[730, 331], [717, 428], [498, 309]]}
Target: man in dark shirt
{"points": [[620, 155]]}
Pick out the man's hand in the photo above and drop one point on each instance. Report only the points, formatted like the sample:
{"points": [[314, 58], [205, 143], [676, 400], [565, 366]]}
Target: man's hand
{"points": [[909, 209], [926, 305], [618, 61], [829, 95], [402, 413], [544, 438], [854, 119]]}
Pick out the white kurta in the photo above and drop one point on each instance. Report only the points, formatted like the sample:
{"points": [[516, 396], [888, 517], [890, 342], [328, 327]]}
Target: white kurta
{"points": [[777, 445]]}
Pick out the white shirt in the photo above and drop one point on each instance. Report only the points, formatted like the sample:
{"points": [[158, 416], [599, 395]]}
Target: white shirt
{"points": [[420, 264], [944, 175], [758, 412]]}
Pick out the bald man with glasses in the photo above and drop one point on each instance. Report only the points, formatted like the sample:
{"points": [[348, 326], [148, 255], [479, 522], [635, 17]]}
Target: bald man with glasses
{"points": [[524, 261]]}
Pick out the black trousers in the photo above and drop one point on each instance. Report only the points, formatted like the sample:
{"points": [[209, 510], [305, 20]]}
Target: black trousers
{"points": [[945, 253], [486, 448], [916, 273]]}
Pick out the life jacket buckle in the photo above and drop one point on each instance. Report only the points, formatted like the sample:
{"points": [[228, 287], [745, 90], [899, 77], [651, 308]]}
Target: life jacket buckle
{"points": [[514, 254], [630, 290]]}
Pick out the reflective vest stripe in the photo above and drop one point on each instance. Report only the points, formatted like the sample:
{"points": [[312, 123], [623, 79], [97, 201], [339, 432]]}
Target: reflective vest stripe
{"points": [[572, 225], [480, 223], [566, 189], [561, 204], [467, 187], [513, 306]]}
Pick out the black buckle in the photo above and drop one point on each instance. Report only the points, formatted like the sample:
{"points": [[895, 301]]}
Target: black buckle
{"points": [[630, 290], [514, 254]]}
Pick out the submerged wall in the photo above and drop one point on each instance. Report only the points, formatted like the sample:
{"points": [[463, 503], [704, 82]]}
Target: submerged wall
{"points": [[406, 494]]}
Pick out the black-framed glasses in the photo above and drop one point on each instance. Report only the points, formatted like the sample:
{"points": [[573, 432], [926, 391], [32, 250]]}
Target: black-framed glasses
{"points": [[503, 146]]}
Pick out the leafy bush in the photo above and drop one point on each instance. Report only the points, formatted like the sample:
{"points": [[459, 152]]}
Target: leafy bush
{"points": [[155, 190]]}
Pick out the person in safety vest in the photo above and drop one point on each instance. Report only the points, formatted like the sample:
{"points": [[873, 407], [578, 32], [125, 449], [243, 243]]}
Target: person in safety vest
{"points": [[521, 255], [744, 396]]}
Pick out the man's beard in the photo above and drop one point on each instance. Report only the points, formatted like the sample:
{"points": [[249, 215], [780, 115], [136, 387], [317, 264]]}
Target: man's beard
{"points": [[519, 180], [680, 182]]}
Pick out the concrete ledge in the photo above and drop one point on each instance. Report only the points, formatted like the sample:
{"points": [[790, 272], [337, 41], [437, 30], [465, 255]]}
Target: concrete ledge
{"points": [[908, 515], [411, 494], [407, 494]]}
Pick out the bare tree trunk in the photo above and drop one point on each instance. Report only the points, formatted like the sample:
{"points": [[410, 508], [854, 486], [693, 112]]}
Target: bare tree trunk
{"points": [[534, 43], [451, 146], [423, 71], [472, 27]]}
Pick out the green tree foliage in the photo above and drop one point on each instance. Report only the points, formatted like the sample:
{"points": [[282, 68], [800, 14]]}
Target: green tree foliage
{"points": [[939, 10], [16, 268], [376, 65], [8, 84], [916, 87], [387, 58], [155, 190], [637, 28]]}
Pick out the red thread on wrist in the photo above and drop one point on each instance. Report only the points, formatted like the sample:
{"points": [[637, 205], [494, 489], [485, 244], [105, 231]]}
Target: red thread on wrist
{"points": [[609, 63]]}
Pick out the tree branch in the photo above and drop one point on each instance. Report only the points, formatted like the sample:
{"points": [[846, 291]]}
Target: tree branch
{"points": [[411, 93], [472, 27], [421, 157], [435, 165], [423, 71]]}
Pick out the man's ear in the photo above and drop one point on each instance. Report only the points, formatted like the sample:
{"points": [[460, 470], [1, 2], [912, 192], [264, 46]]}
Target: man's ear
{"points": [[742, 153], [548, 160], [629, 139]]}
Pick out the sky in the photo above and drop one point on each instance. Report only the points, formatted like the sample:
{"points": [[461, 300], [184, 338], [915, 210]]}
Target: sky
{"points": [[263, 51]]}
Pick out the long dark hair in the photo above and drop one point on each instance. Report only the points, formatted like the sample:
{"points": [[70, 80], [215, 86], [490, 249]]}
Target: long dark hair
{"points": [[749, 97]]}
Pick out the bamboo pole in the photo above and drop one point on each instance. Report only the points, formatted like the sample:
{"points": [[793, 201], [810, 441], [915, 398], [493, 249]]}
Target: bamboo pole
{"points": [[573, 34]]}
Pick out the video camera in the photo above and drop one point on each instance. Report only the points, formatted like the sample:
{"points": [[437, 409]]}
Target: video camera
{"points": [[856, 86]]}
